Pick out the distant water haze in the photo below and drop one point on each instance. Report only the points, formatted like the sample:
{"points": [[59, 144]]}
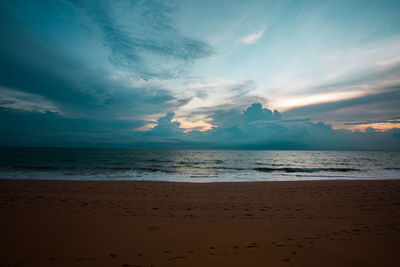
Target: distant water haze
{"points": [[195, 165]]}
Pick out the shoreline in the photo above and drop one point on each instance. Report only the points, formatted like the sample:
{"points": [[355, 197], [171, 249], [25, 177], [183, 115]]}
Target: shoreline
{"points": [[194, 182], [144, 223]]}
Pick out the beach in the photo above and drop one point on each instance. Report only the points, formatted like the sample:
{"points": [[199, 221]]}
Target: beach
{"points": [[142, 223]]}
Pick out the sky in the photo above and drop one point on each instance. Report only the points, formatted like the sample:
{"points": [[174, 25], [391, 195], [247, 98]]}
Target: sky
{"points": [[200, 74]]}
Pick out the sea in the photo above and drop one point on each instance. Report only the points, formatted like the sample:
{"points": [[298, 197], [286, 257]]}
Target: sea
{"points": [[195, 165]]}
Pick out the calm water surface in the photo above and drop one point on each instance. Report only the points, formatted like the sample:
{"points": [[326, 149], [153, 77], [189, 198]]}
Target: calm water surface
{"points": [[195, 165]]}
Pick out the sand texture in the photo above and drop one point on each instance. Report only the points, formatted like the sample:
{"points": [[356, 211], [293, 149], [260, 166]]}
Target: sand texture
{"points": [[316, 223]]}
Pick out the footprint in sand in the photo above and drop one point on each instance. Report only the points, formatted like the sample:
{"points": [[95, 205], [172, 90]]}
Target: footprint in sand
{"points": [[177, 258], [252, 245]]}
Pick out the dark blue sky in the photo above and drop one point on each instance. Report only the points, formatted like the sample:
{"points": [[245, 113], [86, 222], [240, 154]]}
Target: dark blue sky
{"points": [[200, 74]]}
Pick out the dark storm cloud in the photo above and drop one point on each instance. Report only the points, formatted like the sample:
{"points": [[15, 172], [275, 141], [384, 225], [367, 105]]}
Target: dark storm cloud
{"points": [[31, 66], [140, 36]]}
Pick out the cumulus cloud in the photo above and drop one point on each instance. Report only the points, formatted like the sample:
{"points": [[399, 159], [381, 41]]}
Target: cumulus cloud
{"points": [[260, 128], [253, 114], [253, 128], [166, 127], [215, 95]]}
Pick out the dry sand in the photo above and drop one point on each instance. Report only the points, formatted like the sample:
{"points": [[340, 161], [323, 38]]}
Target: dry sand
{"points": [[316, 223]]}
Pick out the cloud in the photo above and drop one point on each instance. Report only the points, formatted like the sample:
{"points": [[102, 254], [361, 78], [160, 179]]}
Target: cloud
{"points": [[52, 95], [13, 99], [394, 120], [260, 128], [338, 73], [166, 127], [380, 125], [212, 95], [252, 38], [23, 128], [141, 37], [376, 104], [254, 128], [366, 88], [253, 114], [33, 69]]}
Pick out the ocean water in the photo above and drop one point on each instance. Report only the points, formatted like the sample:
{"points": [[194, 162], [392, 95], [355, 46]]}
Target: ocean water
{"points": [[195, 165]]}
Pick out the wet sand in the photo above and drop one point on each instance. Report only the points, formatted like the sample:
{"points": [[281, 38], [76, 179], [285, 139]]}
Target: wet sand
{"points": [[315, 223]]}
